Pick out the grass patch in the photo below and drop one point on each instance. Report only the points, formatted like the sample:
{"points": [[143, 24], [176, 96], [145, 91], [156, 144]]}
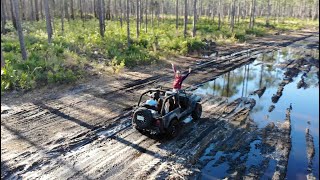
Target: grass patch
{"points": [[64, 60]]}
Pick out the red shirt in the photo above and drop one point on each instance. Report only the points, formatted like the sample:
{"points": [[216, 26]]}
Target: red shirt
{"points": [[177, 83]]}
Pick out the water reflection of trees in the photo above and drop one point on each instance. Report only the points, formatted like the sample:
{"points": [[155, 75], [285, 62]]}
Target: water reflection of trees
{"points": [[268, 75], [228, 84], [312, 80], [263, 75]]}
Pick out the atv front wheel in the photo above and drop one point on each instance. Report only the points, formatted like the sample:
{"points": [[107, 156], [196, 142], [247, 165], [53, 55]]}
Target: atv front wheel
{"points": [[196, 113]]}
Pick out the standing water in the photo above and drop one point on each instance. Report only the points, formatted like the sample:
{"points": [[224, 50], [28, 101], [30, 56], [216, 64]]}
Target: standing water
{"points": [[301, 94]]}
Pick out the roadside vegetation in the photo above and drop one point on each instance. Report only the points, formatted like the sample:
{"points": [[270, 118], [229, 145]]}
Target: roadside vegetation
{"points": [[78, 47]]}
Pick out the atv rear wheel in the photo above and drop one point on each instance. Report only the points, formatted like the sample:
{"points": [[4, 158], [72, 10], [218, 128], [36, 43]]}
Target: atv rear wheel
{"points": [[142, 118], [173, 129], [196, 113]]}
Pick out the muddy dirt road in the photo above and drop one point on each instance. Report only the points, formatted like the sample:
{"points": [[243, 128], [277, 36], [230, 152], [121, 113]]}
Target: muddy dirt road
{"points": [[248, 128]]}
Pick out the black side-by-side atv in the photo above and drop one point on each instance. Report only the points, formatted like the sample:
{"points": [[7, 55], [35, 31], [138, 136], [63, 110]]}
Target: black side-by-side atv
{"points": [[166, 114]]}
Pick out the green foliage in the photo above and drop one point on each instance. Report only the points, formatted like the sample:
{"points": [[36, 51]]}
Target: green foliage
{"points": [[41, 67], [258, 31], [63, 60]]}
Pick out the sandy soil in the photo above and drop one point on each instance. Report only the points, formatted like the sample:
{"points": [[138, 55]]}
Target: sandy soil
{"points": [[83, 131]]}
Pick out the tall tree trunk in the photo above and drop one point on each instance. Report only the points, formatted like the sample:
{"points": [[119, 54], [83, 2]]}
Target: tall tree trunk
{"points": [[36, 3], [120, 4], [32, 11], [158, 14], [41, 9], [101, 15], [200, 10], [269, 13], [3, 19], [62, 16], [53, 14], [13, 16], [81, 9], [185, 18], [140, 14], [128, 22], [177, 14], [103, 9], [19, 29], [278, 12], [2, 59], [314, 10], [284, 11], [213, 12], [230, 11], [82, 12], [239, 12], [194, 18], [146, 23], [108, 10], [219, 15], [152, 12], [48, 20], [72, 10], [23, 9], [95, 8], [161, 10], [251, 25], [233, 14], [253, 14], [138, 17], [67, 10]]}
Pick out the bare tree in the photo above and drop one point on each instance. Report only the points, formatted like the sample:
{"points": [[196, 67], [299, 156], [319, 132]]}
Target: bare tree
{"points": [[32, 11], [128, 22], [36, 9], [2, 60], [101, 17], [233, 14], [41, 9], [146, 9], [81, 12], [177, 13], [138, 17], [13, 17], [219, 15], [22, 8], [268, 15], [121, 13], [66, 6], [52, 11], [152, 11], [48, 20], [253, 8], [239, 12], [19, 29], [194, 18], [72, 9], [315, 13], [103, 8], [185, 18], [62, 16], [140, 14], [3, 19]]}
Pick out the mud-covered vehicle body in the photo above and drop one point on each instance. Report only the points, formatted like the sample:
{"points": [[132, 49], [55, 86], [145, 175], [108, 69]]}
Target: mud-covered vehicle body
{"points": [[166, 116]]}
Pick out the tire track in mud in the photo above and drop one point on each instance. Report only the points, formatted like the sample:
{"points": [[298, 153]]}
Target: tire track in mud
{"points": [[201, 135]]}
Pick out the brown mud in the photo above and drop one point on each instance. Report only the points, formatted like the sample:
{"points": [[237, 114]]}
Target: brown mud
{"points": [[84, 131]]}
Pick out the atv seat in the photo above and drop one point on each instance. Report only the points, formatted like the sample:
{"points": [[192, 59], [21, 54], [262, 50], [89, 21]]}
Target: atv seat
{"points": [[149, 107], [168, 93]]}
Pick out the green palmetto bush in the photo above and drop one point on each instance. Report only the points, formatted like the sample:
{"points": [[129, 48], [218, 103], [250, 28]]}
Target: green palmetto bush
{"points": [[63, 60]]}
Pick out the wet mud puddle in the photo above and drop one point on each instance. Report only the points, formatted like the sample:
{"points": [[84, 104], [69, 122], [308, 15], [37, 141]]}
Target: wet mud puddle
{"points": [[285, 78]]}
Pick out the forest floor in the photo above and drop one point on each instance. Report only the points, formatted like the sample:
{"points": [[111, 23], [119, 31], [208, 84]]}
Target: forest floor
{"points": [[84, 131]]}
